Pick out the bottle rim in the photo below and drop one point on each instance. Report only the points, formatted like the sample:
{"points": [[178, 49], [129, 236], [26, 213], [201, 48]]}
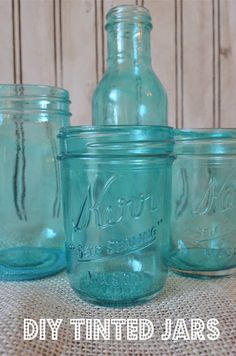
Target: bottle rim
{"points": [[128, 14]]}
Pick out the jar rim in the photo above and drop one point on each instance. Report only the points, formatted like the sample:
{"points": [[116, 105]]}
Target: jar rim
{"points": [[107, 141], [189, 134], [68, 131], [33, 90]]}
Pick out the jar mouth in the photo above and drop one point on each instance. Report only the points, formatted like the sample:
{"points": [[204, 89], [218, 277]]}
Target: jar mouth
{"points": [[112, 129], [31, 99], [32, 91], [216, 142], [128, 14], [125, 140]]}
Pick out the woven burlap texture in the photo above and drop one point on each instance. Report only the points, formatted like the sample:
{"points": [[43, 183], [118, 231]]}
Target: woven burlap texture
{"points": [[53, 298]]}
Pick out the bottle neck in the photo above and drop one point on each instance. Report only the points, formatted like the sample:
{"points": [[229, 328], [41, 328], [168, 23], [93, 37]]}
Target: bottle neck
{"points": [[128, 45]]}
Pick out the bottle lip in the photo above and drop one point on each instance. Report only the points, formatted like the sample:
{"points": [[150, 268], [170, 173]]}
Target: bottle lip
{"points": [[113, 141], [128, 14], [21, 91]]}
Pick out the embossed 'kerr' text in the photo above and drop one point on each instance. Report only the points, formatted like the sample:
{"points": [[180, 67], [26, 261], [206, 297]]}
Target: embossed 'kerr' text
{"points": [[108, 209]]}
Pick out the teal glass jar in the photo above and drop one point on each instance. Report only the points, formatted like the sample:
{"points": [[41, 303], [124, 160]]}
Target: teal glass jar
{"points": [[129, 93], [203, 223], [31, 224], [116, 197]]}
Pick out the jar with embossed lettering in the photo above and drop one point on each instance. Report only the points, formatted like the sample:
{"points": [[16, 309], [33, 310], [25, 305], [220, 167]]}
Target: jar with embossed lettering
{"points": [[31, 223], [116, 183], [203, 222]]}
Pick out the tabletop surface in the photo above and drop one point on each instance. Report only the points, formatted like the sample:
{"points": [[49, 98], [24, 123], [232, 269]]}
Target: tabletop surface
{"points": [[182, 298]]}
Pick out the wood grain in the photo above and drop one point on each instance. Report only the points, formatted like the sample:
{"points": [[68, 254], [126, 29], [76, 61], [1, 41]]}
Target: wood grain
{"points": [[227, 64], [79, 56], [38, 42], [163, 48], [6, 42], [197, 62], [63, 42]]}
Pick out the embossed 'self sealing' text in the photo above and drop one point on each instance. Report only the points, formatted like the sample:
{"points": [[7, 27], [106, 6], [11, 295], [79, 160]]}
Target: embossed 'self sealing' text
{"points": [[115, 246]]}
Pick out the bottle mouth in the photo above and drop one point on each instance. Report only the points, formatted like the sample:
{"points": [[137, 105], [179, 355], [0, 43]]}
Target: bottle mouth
{"points": [[30, 98], [129, 14]]}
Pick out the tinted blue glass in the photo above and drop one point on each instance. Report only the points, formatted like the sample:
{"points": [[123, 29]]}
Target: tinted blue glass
{"points": [[204, 203], [116, 194], [31, 227], [129, 93]]}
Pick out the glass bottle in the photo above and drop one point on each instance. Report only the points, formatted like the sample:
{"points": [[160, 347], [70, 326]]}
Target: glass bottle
{"points": [[130, 92], [31, 226]]}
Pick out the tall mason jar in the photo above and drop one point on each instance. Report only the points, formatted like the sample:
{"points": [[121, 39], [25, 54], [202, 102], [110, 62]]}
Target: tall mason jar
{"points": [[31, 226], [129, 93], [116, 197], [203, 226]]}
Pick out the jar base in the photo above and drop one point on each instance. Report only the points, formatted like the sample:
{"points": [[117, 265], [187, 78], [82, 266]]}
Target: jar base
{"points": [[110, 290], [118, 304], [204, 274], [203, 263], [27, 263]]}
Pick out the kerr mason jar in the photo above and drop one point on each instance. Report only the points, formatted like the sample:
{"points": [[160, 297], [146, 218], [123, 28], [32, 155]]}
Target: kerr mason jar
{"points": [[203, 232], [31, 226], [116, 198]]}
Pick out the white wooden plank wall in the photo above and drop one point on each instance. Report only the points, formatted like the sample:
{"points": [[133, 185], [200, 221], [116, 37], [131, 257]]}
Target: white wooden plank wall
{"points": [[62, 42]]}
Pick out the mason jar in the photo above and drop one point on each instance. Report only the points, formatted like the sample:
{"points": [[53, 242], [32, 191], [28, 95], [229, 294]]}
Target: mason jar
{"points": [[203, 225], [31, 224], [116, 197]]}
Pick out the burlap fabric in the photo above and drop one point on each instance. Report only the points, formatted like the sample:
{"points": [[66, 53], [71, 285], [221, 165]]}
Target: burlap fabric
{"points": [[53, 298]]}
